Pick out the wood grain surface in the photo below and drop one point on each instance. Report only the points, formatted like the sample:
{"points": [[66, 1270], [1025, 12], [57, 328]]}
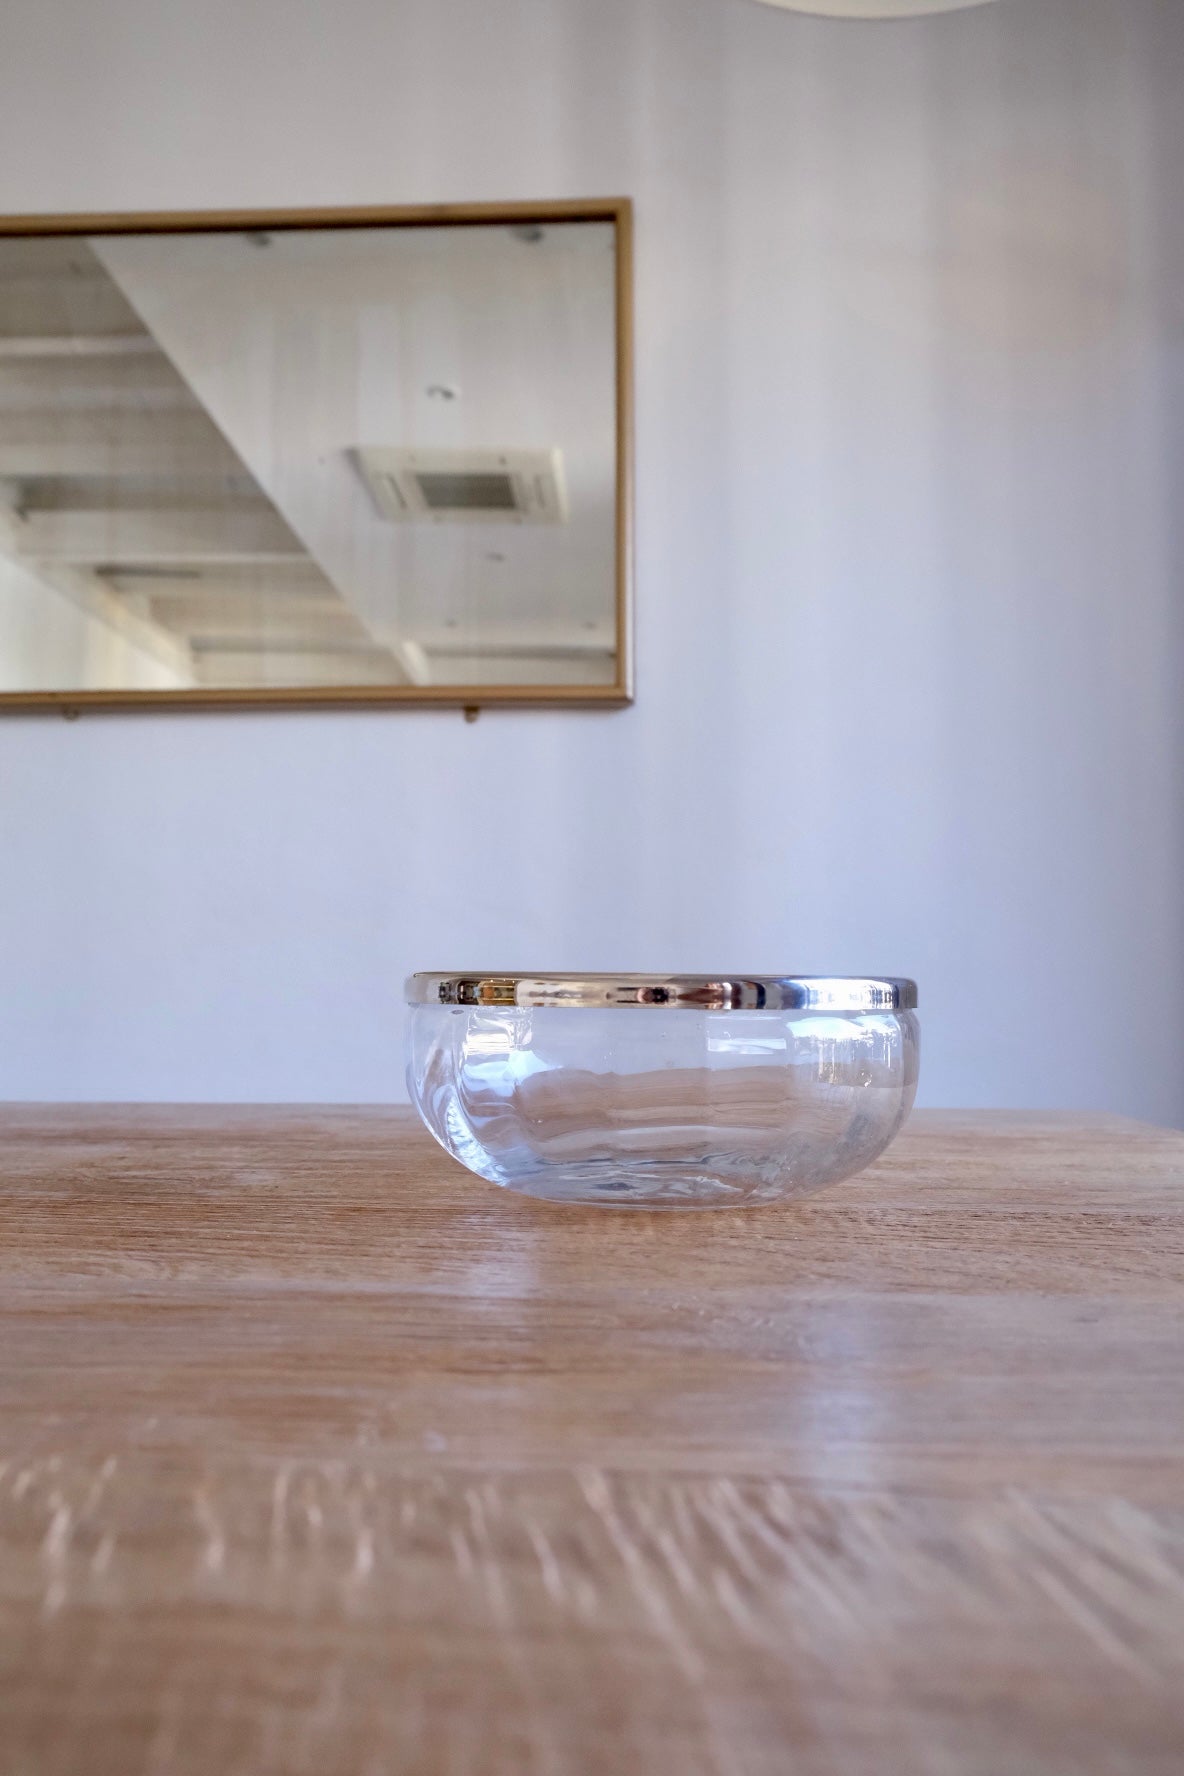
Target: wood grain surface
{"points": [[318, 1455]]}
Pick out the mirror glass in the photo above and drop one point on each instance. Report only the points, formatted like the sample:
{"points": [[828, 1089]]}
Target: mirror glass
{"points": [[355, 460]]}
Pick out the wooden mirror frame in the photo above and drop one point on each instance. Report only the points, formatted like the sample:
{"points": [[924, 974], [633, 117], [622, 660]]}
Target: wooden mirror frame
{"points": [[618, 211]]}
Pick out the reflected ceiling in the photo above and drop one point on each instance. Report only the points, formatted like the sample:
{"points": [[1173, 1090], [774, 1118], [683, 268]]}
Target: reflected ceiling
{"points": [[279, 457]]}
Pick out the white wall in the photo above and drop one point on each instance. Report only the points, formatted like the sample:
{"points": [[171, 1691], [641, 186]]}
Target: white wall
{"points": [[47, 639], [910, 416]]}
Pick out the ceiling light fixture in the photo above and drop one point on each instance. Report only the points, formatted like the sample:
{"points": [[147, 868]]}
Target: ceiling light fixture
{"points": [[873, 9]]}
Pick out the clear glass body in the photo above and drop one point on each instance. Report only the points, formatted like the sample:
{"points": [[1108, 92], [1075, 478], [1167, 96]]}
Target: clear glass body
{"points": [[662, 1107]]}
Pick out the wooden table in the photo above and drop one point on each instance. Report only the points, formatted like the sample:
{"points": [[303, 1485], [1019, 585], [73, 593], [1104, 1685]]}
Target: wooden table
{"points": [[318, 1455]]}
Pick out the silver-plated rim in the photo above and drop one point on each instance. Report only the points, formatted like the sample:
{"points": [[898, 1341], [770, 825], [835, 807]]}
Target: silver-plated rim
{"points": [[699, 992]]}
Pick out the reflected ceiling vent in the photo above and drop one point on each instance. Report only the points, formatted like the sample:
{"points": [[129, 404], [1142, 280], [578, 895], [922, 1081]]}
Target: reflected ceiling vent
{"points": [[466, 486]]}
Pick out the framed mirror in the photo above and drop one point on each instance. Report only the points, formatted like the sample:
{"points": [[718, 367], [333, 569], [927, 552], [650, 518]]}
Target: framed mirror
{"points": [[377, 456]]}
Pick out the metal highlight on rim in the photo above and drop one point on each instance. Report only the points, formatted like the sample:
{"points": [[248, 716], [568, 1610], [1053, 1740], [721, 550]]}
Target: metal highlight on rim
{"points": [[701, 992]]}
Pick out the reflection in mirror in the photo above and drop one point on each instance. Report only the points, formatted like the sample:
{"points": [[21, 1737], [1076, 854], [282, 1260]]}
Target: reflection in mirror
{"points": [[379, 459]]}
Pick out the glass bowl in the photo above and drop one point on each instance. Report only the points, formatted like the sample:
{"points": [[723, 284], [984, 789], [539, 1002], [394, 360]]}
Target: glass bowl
{"points": [[662, 1091]]}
